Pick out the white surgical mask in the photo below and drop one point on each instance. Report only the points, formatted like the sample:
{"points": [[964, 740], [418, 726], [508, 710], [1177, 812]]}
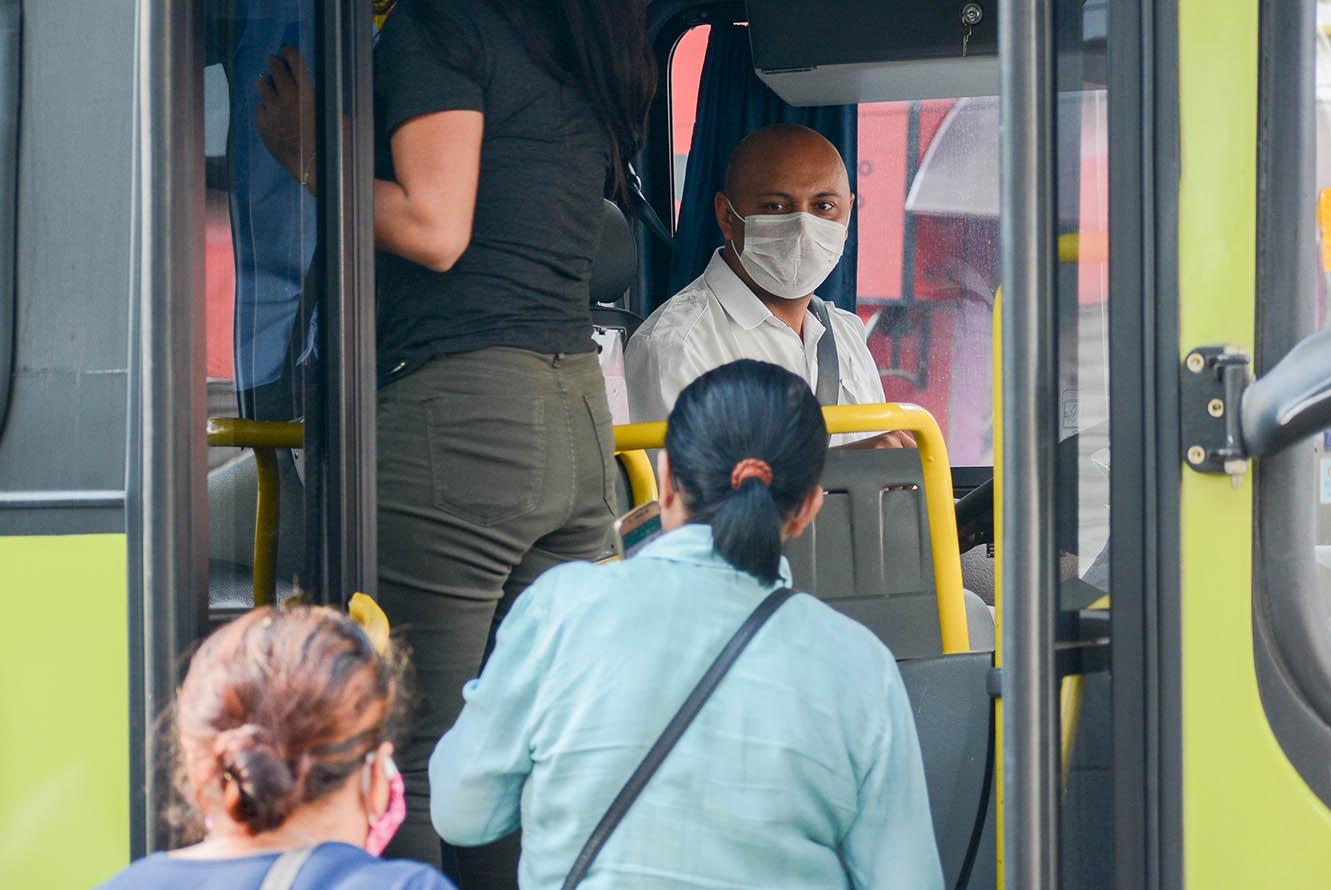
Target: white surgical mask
{"points": [[790, 254]]}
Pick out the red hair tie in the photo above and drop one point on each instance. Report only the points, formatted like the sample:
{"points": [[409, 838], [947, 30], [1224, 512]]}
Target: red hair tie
{"points": [[751, 468]]}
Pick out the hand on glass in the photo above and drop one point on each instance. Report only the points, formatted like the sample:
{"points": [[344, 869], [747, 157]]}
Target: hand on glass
{"points": [[285, 116]]}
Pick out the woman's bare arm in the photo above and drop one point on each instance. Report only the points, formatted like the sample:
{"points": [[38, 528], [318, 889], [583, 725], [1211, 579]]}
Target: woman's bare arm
{"points": [[426, 215]]}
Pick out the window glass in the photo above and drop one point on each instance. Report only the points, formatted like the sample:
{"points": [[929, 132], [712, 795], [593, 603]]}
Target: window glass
{"points": [[928, 246], [1082, 457], [261, 230]]}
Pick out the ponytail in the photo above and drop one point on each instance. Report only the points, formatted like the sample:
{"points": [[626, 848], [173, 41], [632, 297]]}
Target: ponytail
{"points": [[746, 443], [746, 531]]}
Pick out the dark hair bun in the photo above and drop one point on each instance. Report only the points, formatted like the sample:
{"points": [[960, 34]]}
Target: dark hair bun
{"points": [[284, 704], [248, 757], [744, 412]]}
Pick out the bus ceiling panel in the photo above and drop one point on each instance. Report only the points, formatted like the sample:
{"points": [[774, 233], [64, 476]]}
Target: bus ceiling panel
{"points": [[10, 25], [846, 51]]}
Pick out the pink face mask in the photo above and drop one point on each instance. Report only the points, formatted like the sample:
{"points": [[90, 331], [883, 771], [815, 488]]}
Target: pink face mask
{"points": [[386, 825]]}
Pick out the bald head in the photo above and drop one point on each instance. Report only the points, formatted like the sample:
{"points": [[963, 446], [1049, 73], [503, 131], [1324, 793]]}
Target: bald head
{"points": [[783, 168], [783, 153]]}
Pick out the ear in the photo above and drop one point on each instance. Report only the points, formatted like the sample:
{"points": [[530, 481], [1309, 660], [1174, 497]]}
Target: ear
{"points": [[376, 797], [804, 514], [732, 229], [673, 513]]}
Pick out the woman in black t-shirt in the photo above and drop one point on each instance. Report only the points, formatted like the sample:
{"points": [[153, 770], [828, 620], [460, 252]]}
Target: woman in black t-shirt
{"points": [[499, 126]]}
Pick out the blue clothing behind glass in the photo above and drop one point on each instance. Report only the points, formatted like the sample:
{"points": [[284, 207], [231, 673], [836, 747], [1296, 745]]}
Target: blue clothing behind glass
{"points": [[331, 867], [803, 770], [274, 223]]}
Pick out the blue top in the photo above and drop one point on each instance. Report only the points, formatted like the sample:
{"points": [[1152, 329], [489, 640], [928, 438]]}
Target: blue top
{"points": [[333, 866], [803, 770], [274, 220]]}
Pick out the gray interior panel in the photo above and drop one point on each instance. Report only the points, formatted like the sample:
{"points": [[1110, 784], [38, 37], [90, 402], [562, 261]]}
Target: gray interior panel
{"points": [[73, 276], [951, 707], [869, 552], [10, 21]]}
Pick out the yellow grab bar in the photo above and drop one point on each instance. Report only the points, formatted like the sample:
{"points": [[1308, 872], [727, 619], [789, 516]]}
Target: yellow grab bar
{"points": [[264, 438], [938, 500], [642, 481]]}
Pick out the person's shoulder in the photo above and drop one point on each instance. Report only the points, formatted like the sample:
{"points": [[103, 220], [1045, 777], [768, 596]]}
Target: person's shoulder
{"points": [[567, 587], [399, 874], [675, 320], [446, 17], [845, 641], [338, 866], [143, 873]]}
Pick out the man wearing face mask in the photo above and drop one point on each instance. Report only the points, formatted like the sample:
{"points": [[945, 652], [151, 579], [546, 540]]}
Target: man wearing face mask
{"points": [[784, 214]]}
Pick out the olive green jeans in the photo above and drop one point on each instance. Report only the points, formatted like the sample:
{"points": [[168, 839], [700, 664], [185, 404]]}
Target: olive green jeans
{"points": [[494, 466]]}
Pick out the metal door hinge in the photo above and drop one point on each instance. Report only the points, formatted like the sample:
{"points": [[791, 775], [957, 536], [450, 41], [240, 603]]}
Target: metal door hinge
{"points": [[1212, 382]]}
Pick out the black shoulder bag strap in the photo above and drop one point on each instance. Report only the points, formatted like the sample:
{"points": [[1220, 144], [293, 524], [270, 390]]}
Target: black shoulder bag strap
{"points": [[828, 390], [282, 873], [673, 731]]}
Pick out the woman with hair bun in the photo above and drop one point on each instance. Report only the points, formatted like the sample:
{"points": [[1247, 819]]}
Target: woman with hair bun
{"points": [[284, 730], [802, 769]]}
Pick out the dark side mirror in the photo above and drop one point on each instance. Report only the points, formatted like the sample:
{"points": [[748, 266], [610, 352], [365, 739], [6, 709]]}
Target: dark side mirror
{"points": [[1291, 401]]}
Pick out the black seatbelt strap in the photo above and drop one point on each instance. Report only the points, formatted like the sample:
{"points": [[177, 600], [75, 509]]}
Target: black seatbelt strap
{"points": [[646, 212], [828, 389], [673, 731]]}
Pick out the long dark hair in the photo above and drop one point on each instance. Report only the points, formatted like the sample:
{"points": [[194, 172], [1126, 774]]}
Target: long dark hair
{"points": [[602, 46], [746, 410]]}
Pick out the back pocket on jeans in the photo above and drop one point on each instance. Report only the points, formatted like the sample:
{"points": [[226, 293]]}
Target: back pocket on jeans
{"points": [[487, 455]]}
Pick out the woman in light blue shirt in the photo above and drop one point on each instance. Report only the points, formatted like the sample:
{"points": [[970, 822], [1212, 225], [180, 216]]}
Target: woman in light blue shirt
{"points": [[802, 770]]}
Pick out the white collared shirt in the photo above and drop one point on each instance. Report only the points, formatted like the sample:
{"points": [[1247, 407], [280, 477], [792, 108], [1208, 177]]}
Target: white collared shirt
{"points": [[716, 320]]}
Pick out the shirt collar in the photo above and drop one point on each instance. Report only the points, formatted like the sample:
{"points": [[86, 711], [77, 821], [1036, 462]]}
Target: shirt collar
{"points": [[742, 305], [693, 544]]}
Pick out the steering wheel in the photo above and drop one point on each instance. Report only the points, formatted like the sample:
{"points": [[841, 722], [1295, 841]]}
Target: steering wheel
{"points": [[975, 516]]}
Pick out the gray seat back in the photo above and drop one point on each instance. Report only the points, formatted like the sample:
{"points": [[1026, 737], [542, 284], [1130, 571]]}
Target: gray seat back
{"points": [[869, 554], [949, 699]]}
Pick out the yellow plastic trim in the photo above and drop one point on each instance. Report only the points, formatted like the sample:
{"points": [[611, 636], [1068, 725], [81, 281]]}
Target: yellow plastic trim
{"points": [[938, 500], [264, 437], [1069, 707], [1249, 819], [642, 481], [233, 433]]}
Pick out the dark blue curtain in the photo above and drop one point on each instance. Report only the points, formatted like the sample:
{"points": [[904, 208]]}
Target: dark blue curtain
{"points": [[733, 102]]}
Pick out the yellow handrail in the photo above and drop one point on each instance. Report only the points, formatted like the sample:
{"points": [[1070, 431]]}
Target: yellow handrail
{"points": [[938, 501], [264, 438], [642, 481]]}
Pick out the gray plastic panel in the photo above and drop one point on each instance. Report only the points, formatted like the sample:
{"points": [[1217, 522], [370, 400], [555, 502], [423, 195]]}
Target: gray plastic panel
{"points": [[10, 24], [951, 707], [66, 428], [869, 554]]}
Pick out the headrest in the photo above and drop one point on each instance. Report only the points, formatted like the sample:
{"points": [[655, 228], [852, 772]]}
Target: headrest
{"points": [[615, 266]]}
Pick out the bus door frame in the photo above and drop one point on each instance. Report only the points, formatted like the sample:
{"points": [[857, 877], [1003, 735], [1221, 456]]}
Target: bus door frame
{"points": [[1144, 489], [166, 478]]}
